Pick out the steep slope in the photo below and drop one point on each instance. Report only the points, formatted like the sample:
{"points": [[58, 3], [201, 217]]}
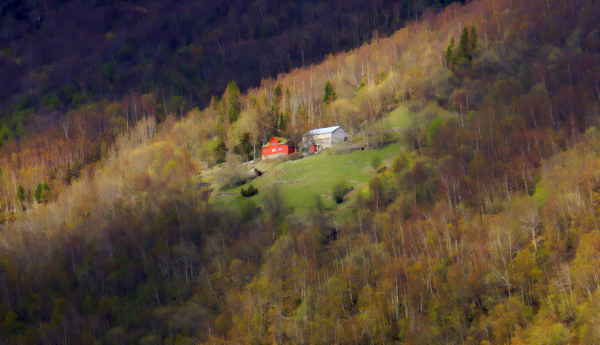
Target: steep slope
{"points": [[63, 53], [490, 236]]}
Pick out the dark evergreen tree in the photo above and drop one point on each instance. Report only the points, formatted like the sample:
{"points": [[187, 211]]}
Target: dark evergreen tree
{"points": [[288, 104], [450, 53], [464, 46], [233, 102], [38, 194], [330, 94], [282, 123], [21, 193], [245, 148], [473, 39], [275, 111], [220, 152]]}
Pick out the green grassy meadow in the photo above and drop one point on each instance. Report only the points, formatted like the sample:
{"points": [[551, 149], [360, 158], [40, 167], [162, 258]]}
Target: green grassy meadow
{"points": [[400, 117], [301, 180], [310, 176]]}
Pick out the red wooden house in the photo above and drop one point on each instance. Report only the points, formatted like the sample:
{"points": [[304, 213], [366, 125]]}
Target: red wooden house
{"points": [[278, 147]]}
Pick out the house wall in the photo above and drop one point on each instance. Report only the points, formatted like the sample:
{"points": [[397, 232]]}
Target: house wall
{"points": [[338, 136], [277, 151], [324, 140], [289, 150], [274, 155]]}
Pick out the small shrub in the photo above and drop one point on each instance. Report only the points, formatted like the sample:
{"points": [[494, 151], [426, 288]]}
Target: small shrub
{"points": [[275, 203], [250, 210], [251, 191], [319, 205], [376, 162], [232, 175], [340, 189]]}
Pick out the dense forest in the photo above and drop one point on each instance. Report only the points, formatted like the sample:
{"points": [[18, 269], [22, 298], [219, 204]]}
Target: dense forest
{"points": [[56, 55], [484, 230]]}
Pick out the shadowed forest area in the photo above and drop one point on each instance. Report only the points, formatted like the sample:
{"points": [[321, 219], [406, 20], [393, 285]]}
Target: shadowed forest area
{"points": [[483, 231], [57, 55]]}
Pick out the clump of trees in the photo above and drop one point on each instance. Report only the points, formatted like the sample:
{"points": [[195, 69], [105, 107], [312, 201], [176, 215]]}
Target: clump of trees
{"points": [[246, 147], [42, 191], [465, 51], [329, 93], [487, 233]]}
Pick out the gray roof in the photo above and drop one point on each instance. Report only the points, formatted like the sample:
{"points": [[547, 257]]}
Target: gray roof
{"points": [[323, 130]]}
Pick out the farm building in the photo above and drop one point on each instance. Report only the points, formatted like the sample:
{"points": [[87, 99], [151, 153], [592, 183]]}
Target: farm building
{"points": [[277, 147], [321, 138]]}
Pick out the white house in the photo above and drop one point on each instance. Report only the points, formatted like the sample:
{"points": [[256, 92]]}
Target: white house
{"points": [[323, 137]]}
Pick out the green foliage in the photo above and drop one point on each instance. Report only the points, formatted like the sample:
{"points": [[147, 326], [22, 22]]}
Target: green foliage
{"points": [[20, 193], [473, 39], [464, 46], [251, 191], [376, 162], [41, 191], [249, 210], [220, 152], [319, 204], [233, 100], [401, 162], [470, 117], [330, 94], [450, 53], [449, 250], [275, 203], [245, 147], [50, 102], [353, 166], [178, 105], [274, 113], [467, 46], [37, 194], [432, 131], [340, 189], [282, 123]]}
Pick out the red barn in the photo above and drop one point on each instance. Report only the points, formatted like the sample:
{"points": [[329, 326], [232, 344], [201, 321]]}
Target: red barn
{"points": [[278, 147]]}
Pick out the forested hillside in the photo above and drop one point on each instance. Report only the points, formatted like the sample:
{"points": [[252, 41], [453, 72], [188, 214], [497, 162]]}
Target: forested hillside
{"points": [[484, 231], [57, 55]]}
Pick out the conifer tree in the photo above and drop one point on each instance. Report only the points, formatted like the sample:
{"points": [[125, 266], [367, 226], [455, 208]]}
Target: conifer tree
{"points": [[288, 103], [38, 194], [274, 116], [330, 95], [245, 147], [220, 152], [450, 53], [473, 39], [282, 123], [463, 45], [21, 193], [233, 100]]}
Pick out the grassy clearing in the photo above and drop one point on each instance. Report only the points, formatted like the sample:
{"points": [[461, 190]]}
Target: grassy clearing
{"points": [[302, 179], [314, 175], [400, 117]]}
